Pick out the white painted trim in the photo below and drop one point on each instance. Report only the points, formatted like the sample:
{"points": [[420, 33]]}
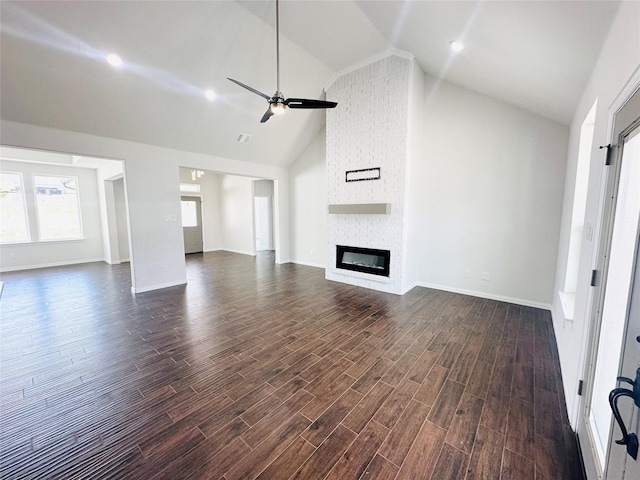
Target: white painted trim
{"points": [[308, 264], [218, 249], [117, 262], [53, 264], [592, 325], [406, 290], [367, 61], [252, 254], [158, 287], [473, 293], [621, 99]]}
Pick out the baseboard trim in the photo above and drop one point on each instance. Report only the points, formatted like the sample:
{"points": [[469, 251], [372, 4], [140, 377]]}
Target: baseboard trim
{"points": [[52, 264], [490, 296], [118, 262], [307, 264], [158, 286], [252, 254]]}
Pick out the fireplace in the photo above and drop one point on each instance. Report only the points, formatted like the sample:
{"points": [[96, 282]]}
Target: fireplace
{"points": [[364, 260]]}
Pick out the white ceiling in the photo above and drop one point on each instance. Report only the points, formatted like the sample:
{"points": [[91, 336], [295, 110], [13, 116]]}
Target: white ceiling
{"points": [[533, 54]]}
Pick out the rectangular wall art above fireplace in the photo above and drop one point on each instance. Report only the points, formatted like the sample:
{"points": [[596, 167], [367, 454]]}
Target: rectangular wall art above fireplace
{"points": [[364, 260]]}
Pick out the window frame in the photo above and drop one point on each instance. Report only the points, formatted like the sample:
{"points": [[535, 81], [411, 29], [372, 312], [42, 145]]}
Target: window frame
{"points": [[25, 211], [38, 212]]}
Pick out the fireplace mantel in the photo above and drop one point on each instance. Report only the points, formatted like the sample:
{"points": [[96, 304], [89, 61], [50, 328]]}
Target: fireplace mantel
{"points": [[360, 208]]}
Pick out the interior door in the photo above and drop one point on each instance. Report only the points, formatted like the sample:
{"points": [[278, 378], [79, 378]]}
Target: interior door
{"points": [[192, 224], [614, 325], [263, 222]]}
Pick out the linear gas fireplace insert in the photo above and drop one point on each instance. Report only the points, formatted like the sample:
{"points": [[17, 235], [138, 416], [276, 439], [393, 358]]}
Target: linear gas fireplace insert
{"points": [[365, 260]]}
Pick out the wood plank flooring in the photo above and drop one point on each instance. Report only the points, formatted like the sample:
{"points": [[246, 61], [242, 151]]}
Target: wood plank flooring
{"points": [[257, 370]]}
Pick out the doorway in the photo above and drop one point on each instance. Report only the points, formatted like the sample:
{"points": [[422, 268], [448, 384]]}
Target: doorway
{"points": [[264, 228], [122, 225], [614, 350], [263, 191], [192, 224]]}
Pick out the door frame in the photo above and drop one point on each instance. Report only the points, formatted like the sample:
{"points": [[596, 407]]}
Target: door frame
{"points": [[198, 199], [595, 296]]}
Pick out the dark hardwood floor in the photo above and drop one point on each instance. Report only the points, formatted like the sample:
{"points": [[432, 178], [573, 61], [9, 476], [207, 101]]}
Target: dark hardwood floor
{"points": [[256, 370]]}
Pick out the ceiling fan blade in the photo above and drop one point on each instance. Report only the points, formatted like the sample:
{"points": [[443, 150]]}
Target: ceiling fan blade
{"points": [[308, 103], [257, 92], [267, 115]]}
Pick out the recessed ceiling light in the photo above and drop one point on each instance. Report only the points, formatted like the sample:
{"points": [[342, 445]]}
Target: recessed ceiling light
{"points": [[210, 94], [114, 60], [456, 47]]}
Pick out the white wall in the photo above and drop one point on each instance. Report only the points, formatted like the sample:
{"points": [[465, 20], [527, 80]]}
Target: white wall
{"points": [[263, 214], [106, 175], [212, 228], [153, 193], [308, 205], [619, 59], [227, 209], [210, 206], [237, 223], [263, 188], [121, 219], [415, 155], [485, 186], [486, 197], [42, 254]]}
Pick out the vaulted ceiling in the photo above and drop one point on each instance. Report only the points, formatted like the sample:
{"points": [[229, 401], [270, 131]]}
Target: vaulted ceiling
{"points": [[536, 55]]}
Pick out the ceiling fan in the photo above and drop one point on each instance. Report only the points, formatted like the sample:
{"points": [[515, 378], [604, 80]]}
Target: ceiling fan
{"points": [[277, 103]]}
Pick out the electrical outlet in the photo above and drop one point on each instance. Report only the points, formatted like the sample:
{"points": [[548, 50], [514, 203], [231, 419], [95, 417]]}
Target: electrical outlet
{"points": [[486, 276]]}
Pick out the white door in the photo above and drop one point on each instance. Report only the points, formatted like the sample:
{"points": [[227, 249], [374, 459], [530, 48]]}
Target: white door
{"points": [[616, 327], [191, 224], [263, 223]]}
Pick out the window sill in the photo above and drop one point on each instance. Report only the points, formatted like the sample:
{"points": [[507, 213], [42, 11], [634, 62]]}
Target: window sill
{"points": [[42, 242]]}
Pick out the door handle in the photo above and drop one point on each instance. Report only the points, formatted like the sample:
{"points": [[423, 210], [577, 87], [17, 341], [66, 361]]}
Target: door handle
{"points": [[628, 439]]}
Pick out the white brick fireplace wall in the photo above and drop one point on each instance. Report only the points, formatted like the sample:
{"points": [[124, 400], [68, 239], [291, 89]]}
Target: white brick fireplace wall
{"points": [[369, 129]]}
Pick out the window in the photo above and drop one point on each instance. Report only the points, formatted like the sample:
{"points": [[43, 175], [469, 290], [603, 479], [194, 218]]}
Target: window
{"points": [[189, 213], [13, 217], [58, 207]]}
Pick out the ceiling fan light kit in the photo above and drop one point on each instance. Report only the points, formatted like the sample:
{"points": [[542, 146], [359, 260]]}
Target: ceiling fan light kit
{"points": [[277, 103]]}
